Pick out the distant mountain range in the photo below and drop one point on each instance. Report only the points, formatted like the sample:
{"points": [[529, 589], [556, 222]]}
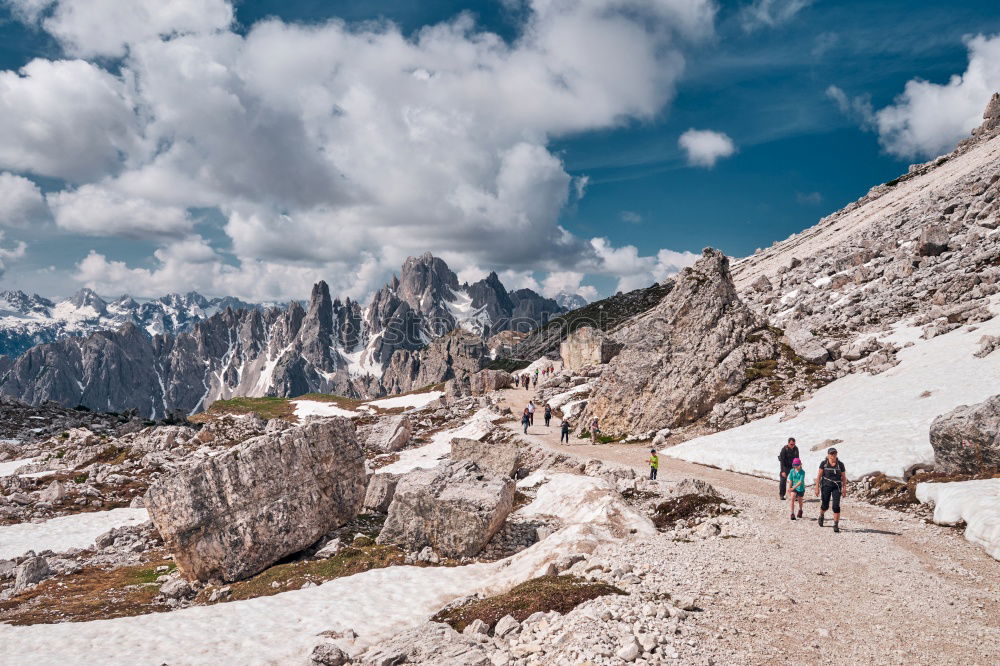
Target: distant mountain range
{"points": [[26, 321], [179, 354]]}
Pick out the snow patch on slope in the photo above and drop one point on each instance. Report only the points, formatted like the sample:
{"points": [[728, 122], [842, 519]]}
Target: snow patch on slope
{"points": [[883, 420], [414, 400], [975, 502], [429, 455], [59, 534], [309, 408]]}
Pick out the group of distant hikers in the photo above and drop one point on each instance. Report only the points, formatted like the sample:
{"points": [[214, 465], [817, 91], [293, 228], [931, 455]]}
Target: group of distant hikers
{"points": [[831, 482], [528, 379], [831, 479]]}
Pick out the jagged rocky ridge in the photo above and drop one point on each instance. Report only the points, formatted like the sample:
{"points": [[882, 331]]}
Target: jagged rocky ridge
{"points": [[26, 321], [332, 346]]}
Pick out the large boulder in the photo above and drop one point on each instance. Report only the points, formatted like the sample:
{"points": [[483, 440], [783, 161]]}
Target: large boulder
{"points": [[499, 457], [587, 346], [695, 349], [233, 515], [455, 509], [805, 345], [487, 381], [933, 241], [967, 439], [388, 434]]}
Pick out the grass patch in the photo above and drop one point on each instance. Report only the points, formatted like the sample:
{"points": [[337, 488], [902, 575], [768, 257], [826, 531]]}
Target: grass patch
{"points": [[601, 439], [548, 593], [266, 408], [761, 369], [91, 594]]}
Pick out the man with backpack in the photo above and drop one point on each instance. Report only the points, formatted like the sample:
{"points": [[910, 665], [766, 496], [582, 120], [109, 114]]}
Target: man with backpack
{"points": [[786, 455], [564, 432], [548, 414], [832, 483]]}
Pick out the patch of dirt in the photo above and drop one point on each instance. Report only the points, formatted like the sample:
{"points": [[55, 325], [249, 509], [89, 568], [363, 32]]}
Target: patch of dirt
{"points": [[548, 593], [688, 509], [91, 594]]}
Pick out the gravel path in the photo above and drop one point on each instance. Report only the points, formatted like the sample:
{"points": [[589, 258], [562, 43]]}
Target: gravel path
{"points": [[889, 589]]}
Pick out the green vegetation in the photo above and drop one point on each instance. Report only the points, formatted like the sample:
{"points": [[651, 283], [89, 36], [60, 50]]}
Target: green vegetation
{"points": [[601, 439], [266, 408], [548, 593]]}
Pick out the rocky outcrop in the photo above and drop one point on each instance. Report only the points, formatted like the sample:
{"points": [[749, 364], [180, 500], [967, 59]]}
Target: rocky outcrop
{"points": [[457, 354], [604, 315], [235, 514], [498, 457], [587, 346], [692, 351], [454, 509], [967, 439], [388, 434]]}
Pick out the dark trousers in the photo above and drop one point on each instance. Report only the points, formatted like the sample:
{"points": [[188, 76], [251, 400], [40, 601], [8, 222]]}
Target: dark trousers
{"points": [[531, 418], [548, 417], [652, 472], [830, 491], [524, 422], [564, 437], [783, 481]]}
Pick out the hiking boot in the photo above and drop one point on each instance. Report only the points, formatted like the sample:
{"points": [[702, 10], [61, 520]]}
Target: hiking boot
{"points": [[781, 497], [836, 528], [800, 513], [821, 520], [793, 516]]}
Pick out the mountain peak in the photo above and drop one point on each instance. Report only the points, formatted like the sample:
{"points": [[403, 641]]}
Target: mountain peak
{"points": [[87, 297]]}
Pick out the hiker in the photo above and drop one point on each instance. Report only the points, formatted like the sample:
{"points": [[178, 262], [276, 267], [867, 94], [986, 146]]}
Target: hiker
{"points": [[594, 429], [548, 414], [535, 382], [531, 412], [832, 481], [654, 463], [525, 420], [786, 455], [564, 432], [797, 484]]}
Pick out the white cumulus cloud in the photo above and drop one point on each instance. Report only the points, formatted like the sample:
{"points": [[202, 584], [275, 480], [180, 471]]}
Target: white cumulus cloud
{"points": [[95, 211], [21, 202], [705, 147], [928, 119], [330, 147]]}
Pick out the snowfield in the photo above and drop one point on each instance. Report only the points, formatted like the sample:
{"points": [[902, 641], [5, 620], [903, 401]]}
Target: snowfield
{"points": [[429, 455], [59, 534], [413, 400], [882, 419], [282, 629], [306, 408], [975, 502], [9, 467]]}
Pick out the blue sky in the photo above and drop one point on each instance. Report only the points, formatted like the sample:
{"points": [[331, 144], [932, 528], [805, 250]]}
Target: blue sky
{"points": [[759, 72]]}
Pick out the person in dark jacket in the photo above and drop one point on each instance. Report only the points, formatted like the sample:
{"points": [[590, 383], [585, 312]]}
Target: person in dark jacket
{"points": [[564, 432], [788, 453], [525, 420], [548, 415], [831, 482]]}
